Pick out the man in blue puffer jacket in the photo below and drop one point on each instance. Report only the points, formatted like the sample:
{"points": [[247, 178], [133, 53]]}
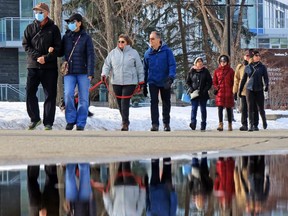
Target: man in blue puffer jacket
{"points": [[160, 70], [161, 196]]}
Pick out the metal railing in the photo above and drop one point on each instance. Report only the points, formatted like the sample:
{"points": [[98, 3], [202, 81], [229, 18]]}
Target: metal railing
{"points": [[15, 92]]}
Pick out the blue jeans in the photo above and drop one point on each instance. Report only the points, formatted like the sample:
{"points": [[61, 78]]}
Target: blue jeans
{"points": [[72, 192], [72, 114], [195, 103]]}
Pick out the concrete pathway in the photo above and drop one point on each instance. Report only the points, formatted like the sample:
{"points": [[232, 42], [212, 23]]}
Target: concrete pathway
{"points": [[19, 147]]}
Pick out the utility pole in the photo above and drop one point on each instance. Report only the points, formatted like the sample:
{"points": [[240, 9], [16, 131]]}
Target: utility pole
{"points": [[228, 26]]}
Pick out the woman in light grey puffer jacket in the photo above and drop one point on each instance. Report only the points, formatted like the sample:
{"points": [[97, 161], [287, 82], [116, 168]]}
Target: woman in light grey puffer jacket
{"points": [[124, 66]]}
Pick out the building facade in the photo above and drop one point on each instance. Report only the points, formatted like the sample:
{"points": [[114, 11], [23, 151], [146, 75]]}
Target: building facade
{"points": [[268, 19]]}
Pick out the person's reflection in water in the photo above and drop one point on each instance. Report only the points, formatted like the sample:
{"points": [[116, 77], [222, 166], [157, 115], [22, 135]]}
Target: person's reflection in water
{"points": [[127, 195], [78, 190], [162, 198], [258, 187], [44, 203], [200, 184], [224, 188]]}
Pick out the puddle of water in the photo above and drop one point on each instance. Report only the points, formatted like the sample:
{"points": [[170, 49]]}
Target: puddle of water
{"points": [[199, 184]]}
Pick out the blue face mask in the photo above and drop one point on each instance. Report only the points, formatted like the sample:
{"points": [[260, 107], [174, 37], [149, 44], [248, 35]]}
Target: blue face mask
{"points": [[39, 17], [72, 26]]}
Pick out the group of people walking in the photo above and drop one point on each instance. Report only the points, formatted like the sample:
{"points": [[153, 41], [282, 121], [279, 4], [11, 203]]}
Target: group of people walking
{"points": [[43, 44], [248, 82]]}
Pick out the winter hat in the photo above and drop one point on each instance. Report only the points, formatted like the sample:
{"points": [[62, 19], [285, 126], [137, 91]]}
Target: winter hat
{"points": [[198, 58], [224, 58]]}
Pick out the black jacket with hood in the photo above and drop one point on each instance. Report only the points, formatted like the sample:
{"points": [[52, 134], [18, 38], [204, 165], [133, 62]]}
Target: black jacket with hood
{"points": [[36, 41]]}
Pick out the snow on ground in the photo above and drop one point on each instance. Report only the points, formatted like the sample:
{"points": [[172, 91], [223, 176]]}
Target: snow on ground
{"points": [[13, 115]]}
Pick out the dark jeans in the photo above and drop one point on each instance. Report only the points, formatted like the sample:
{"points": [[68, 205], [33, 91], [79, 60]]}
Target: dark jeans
{"points": [[255, 98], [166, 104], [49, 198], [124, 175], [48, 79], [244, 113], [203, 104], [166, 177], [229, 114], [124, 103]]}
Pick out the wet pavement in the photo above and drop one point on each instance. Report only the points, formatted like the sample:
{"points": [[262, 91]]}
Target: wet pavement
{"points": [[33, 147], [89, 173]]}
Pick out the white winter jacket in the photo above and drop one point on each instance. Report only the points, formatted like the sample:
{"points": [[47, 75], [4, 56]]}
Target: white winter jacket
{"points": [[123, 67], [125, 200]]}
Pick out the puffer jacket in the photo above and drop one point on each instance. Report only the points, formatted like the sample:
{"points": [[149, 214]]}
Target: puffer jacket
{"points": [[201, 80], [257, 73], [36, 41], [223, 80], [124, 67], [159, 65], [239, 73], [126, 200], [82, 60], [162, 201]]}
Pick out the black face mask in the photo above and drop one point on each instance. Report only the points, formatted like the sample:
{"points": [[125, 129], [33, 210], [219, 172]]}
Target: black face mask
{"points": [[245, 62]]}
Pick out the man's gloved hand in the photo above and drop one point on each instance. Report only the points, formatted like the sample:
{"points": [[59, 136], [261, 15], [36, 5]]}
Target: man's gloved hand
{"points": [[266, 89], [168, 83], [235, 96], [103, 78]]}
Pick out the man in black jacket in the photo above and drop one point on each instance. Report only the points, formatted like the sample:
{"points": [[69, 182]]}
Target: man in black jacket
{"points": [[39, 36]]}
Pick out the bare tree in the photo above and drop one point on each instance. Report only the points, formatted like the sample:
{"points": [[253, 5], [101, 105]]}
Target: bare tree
{"points": [[217, 27], [56, 16]]}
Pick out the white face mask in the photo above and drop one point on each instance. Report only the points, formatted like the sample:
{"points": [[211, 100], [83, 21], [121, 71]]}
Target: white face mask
{"points": [[39, 17]]}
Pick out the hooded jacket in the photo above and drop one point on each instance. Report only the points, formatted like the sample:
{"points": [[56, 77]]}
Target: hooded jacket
{"points": [[36, 41], [223, 80], [159, 65], [82, 60], [201, 80], [124, 67]]}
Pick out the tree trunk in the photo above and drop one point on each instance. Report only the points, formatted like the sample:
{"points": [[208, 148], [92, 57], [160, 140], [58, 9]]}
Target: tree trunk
{"points": [[56, 16], [183, 39], [110, 38]]}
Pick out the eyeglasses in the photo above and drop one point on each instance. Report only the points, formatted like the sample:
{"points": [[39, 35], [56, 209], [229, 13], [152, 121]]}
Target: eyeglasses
{"points": [[38, 12], [151, 38], [121, 41]]}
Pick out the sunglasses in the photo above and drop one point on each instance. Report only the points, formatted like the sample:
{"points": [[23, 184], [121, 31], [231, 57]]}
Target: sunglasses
{"points": [[38, 12], [121, 41]]}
